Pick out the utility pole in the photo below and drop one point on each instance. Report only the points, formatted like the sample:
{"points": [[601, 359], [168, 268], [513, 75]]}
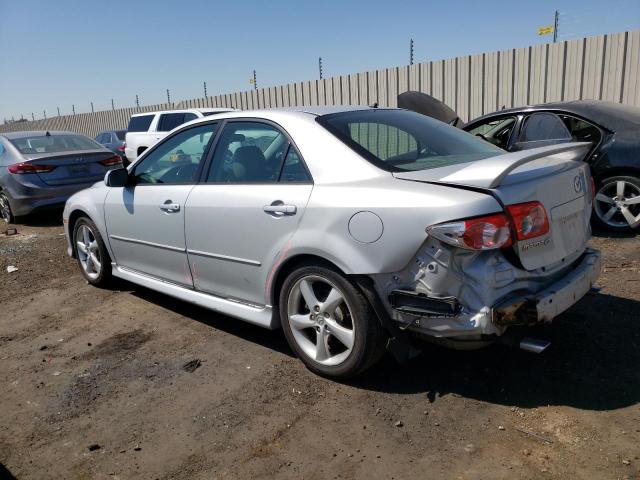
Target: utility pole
{"points": [[137, 101], [58, 108], [33, 118], [113, 107], [320, 66], [255, 81], [73, 109], [91, 107], [411, 52], [44, 112], [168, 97], [205, 88], [556, 21]]}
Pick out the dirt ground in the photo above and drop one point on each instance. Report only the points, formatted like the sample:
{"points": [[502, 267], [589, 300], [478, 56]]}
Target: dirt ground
{"points": [[94, 385]]}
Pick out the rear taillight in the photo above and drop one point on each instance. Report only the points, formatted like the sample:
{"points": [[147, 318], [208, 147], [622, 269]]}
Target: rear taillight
{"points": [[529, 220], [120, 148], [482, 233], [111, 161], [26, 167]]}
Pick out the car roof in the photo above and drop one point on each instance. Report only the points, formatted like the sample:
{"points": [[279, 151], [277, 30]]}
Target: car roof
{"points": [[179, 110], [613, 116], [36, 133]]}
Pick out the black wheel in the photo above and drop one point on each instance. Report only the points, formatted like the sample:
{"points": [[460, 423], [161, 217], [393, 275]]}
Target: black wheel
{"points": [[329, 323], [5, 209], [617, 203], [92, 256]]}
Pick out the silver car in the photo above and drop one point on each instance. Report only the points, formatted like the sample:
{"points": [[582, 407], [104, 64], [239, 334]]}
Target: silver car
{"points": [[350, 228], [42, 169]]}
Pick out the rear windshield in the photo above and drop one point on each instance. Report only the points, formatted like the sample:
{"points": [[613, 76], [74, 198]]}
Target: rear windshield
{"points": [[120, 134], [399, 140], [140, 123], [54, 143]]}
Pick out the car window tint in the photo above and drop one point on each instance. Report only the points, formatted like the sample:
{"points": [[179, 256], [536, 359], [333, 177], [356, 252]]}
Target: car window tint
{"points": [[169, 121], [581, 131], [248, 152], [293, 169], [175, 160], [543, 126], [54, 143], [189, 116], [385, 141], [140, 123], [120, 134], [496, 131], [107, 138]]}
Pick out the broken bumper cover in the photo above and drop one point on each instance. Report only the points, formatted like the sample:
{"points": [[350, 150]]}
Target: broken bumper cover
{"points": [[547, 304], [520, 308]]}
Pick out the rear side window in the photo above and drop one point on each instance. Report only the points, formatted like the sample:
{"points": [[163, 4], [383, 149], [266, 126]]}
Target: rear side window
{"points": [[543, 126], [581, 131], [120, 134], [169, 121], [140, 123], [400, 140]]}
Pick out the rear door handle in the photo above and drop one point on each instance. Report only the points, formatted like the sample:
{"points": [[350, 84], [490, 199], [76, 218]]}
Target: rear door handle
{"points": [[170, 207], [278, 209]]}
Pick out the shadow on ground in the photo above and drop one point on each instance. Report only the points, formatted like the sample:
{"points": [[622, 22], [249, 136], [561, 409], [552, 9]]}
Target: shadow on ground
{"points": [[44, 218], [592, 363]]}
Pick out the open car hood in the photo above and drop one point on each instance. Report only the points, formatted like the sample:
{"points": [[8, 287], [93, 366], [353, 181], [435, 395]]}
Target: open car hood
{"points": [[431, 107]]}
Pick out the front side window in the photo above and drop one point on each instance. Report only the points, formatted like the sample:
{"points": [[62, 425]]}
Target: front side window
{"points": [[495, 131], [54, 143], [169, 121], [177, 159], [248, 152], [400, 140], [543, 126], [140, 123]]}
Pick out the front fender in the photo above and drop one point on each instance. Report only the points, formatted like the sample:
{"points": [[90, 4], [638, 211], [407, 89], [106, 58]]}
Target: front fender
{"points": [[88, 202]]}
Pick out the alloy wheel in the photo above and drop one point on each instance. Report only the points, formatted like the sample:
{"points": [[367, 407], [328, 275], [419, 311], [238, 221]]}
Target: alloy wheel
{"points": [[320, 320], [5, 209], [88, 252], [617, 204]]}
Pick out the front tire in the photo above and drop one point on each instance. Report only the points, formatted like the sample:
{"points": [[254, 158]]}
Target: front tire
{"points": [[91, 253], [329, 323], [617, 203], [5, 209]]}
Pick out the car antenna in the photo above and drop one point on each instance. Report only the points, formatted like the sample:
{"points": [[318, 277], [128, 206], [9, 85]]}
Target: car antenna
{"points": [[375, 105]]}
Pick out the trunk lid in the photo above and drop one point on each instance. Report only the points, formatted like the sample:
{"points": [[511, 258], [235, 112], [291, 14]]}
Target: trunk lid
{"points": [[80, 166], [554, 176]]}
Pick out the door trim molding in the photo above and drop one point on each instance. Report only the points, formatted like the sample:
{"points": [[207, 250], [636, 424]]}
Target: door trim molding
{"points": [[224, 257], [148, 244]]}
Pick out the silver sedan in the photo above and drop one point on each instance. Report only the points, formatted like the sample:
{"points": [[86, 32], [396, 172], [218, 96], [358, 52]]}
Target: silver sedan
{"points": [[350, 228]]}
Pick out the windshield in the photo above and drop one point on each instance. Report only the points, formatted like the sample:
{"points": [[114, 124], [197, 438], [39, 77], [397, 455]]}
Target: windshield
{"points": [[400, 141], [54, 143]]}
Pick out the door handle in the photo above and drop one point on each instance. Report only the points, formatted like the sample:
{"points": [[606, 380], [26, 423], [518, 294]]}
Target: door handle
{"points": [[170, 207], [278, 209]]}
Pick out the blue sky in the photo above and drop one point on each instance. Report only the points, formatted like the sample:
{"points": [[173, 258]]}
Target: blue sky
{"points": [[64, 52]]}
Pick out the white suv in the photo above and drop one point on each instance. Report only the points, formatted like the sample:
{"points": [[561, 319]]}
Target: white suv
{"points": [[145, 129]]}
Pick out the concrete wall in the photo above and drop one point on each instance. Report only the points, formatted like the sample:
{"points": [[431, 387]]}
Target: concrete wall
{"points": [[605, 67]]}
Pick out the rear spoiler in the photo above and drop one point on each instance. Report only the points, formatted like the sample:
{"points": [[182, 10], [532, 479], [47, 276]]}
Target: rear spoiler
{"points": [[490, 173]]}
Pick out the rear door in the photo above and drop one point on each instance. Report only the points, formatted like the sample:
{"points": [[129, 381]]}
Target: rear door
{"points": [[145, 220], [241, 217]]}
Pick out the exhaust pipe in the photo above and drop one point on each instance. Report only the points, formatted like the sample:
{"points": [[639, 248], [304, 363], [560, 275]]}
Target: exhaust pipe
{"points": [[534, 345]]}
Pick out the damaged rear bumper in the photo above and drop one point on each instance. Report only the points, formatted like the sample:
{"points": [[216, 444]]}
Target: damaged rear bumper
{"points": [[523, 301]]}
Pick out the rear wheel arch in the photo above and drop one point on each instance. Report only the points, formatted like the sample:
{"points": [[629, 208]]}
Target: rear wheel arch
{"points": [[616, 172]]}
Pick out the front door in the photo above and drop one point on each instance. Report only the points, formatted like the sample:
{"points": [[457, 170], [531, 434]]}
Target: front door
{"points": [[145, 219], [242, 216]]}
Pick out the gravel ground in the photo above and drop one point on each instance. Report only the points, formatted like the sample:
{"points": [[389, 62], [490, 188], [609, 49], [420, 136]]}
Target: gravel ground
{"points": [[127, 383]]}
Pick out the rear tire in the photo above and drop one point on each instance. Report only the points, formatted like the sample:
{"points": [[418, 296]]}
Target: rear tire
{"points": [[339, 335], [91, 253], [615, 208], [5, 209]]}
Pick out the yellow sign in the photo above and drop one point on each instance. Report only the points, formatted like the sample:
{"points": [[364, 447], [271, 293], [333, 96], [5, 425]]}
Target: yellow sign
{"points": [[545, 30], [251, 80]]}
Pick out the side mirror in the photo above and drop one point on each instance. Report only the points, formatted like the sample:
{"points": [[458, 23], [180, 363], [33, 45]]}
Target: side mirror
{"points": [[117, 177]]}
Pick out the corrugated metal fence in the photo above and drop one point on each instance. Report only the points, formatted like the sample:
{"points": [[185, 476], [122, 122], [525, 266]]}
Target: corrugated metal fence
{"points": [[605, 67]]}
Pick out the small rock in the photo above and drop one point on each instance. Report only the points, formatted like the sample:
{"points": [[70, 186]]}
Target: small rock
{"points": [[43, 347], [426, 412], [626, 462], [89, 344], [399, 424], [11, 269], [470, 448], [526, 452], [93, 447], [192, 365], [500, 427], [137, 448], [56, 374], [437, 424]]}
